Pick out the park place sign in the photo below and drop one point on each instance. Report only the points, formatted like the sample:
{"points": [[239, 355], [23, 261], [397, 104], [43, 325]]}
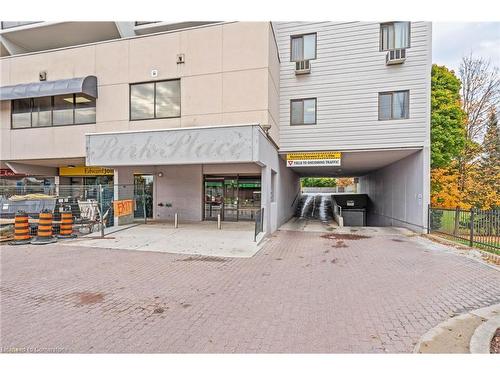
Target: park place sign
{"points": [[313, 159]]}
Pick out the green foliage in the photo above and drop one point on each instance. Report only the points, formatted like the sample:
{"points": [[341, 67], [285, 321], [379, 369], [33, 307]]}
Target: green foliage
{"points": [[491, 143], [447, 117], [318, 182]]}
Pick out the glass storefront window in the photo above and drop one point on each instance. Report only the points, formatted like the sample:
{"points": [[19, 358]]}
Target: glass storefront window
{"points": [[233, 197]]}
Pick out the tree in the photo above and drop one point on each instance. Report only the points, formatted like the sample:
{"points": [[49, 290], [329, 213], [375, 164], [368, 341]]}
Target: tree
{"points": [[480, 96], [480, 93], [345, 181], [318, 182], [489, 166], [447, 117], [445, 188], [491, 144]]}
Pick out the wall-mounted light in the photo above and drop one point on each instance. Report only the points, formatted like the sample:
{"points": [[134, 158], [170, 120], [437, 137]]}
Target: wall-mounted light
{"points": [[71, 166], [160, 174]]}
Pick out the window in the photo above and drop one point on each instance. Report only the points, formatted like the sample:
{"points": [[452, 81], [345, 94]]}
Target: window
{"points": [[303, 111], [168, 99], [21, 113], [394, 35], [155, 100], [393, 105], [41, 111], [62, 111], [303, 47], [84, 109], [69, 109]]}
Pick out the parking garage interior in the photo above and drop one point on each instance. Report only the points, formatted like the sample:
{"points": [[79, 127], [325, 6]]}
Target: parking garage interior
{"points": [[390, 190]]}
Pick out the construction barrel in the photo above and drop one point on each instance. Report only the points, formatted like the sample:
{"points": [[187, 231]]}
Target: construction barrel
{"points": [[22, 234], [44, 232], [66, 227]]}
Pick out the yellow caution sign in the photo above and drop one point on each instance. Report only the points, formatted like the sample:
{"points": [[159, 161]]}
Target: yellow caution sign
{"points": [[82, 170], [314, 159]]}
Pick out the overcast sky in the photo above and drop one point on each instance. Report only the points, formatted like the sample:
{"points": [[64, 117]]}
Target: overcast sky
{"points": [[452, 40]]}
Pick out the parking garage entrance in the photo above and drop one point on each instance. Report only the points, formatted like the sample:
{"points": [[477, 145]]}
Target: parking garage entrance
{"points": [[234, 198]]}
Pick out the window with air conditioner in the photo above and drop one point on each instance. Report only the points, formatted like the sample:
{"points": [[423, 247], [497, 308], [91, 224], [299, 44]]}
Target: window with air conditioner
{"points": [[303, 47], [394, 35]]}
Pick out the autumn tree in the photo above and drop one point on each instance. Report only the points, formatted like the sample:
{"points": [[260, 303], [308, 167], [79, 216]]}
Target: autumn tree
{"points": [[489, 166], [480, 96], [447, 117], [447, 137]]}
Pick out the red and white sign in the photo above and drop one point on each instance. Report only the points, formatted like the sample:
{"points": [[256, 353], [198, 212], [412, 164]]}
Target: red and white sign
{"points": [[6, 172]]}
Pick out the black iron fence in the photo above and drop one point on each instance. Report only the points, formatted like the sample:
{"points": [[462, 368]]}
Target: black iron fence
{"points": [[259, 223], [476, 228]]}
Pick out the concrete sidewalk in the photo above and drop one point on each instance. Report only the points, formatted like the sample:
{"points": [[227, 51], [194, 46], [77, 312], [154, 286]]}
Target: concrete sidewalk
{"points": [[200, 238], [467, 333]]}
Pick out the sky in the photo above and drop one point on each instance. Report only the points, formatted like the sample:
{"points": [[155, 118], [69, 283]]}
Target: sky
{"points": [[452, 40]]}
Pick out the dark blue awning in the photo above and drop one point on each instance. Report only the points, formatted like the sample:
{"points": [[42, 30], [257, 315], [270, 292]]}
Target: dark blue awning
{"points": [[83, 85]]}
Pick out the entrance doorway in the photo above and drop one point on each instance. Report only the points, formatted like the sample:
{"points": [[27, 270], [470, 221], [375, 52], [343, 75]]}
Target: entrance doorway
{"points": [[235, 198], [143, 193]]}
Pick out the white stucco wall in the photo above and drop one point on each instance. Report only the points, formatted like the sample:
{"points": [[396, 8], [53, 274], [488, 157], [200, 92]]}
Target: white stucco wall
{"points": [[182, 187]]}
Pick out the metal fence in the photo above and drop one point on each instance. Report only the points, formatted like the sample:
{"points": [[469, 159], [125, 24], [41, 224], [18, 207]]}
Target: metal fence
{"points": [[259, 223], [91, 205], [476, 228]]}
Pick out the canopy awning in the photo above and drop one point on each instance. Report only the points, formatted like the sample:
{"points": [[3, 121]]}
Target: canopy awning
{"points": [[83, 85]]}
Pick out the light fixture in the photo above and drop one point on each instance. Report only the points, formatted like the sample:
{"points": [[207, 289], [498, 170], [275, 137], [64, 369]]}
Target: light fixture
{"points": [[160, 174], [266, 127], [71, 166], [81, 99], [78, 99]]}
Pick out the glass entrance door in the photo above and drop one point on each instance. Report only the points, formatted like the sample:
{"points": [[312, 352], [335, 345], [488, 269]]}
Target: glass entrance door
{"points": [[230, 199], [143, 195], [214, 197]]}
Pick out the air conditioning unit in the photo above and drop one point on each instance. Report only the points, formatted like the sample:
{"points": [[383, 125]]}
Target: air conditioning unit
{"points": [[395, 56], [302, 67]]}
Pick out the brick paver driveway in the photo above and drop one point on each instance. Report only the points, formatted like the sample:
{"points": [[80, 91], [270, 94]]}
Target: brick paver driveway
{"points": [[301, 293]]}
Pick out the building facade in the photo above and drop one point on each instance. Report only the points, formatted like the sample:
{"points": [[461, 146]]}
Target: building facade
{"points": [[208, 113]]}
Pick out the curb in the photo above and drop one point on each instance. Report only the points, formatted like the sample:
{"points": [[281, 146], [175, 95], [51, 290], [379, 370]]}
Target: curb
{"points": [[481, 339], [489, 259], [491, 313]]}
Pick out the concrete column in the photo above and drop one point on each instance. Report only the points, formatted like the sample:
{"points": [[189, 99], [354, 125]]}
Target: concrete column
{"points": [[57, 183], [426, 189], [266, 197]]}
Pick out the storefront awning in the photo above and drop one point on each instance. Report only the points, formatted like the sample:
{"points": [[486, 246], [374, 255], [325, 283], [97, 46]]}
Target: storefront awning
{"points": [[82, 85]]}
